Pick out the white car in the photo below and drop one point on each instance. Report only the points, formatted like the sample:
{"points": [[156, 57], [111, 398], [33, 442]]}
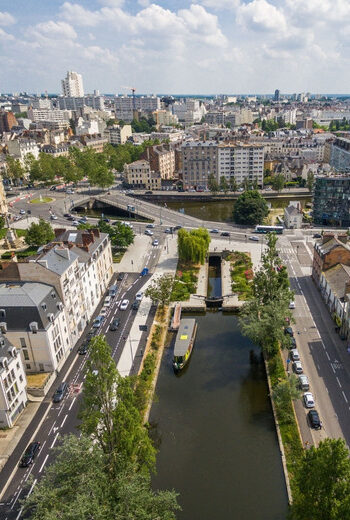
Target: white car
{"points": [[150, 226], [103, 311], [254, 238], [292, 305], [294, 354], [155, 243], [75, 223], [214, 230], [309, 400], [22, 212], [298, 367], [148, 232], [124, 305], [138, 296], [53, 217]]}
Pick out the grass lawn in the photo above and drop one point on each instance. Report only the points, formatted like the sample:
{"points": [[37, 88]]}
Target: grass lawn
{"points": [[43, 200], [271, 219], [20, 233], [185, 281], [241, 274], [117, 256]]}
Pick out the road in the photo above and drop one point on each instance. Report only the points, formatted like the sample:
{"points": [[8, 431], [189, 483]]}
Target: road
{"points": [[54, 420], [323, 354]]}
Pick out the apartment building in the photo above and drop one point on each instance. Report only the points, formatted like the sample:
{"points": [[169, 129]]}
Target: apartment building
{"points": [[34, 321], [46, 114], [340, 155], [118, 134], [241, 161], [138, 174], [7, 121], [125, 105], [199, 160], [161, 159], [13, 395], [72, 85], [76, 103], [20, 147], [164, 118], [330, 250], [331, 201], [96, 142]]}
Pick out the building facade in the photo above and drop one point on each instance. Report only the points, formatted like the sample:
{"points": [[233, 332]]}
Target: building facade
{"points": [[331, 201], [241, 161], [118, 134], [161, 159], [199, 160], [328, 252], [7, 121], [72, 85], [340, 155], [138, 174]]}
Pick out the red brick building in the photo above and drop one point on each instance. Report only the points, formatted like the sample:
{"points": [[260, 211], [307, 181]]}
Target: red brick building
{"points": [[328, 252], [7, 121]]}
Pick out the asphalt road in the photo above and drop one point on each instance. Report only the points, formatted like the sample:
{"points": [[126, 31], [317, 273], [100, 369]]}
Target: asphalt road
{"points": [[52, 421]]}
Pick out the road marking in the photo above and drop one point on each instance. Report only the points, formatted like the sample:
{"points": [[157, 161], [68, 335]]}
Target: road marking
{"points": [[43, 464], [344, 396], [55, 439], [72, 403], [29, 472], [61, 410], [338, 382], [328, 356], [332, 368], [64, 420], [31, 489], [19, 514], [19, 492], [52, 427]]}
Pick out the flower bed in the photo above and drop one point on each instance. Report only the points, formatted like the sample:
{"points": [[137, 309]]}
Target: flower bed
{"points": [[241, 274], [185, 282]]}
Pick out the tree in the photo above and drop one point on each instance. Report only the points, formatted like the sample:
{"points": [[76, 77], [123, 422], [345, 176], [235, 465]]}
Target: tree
{"points": [[101, 176], [310, 180], [109, 412], [160, 289], [233, 184], [78, 486], [14, 168], [283, 393], [278, 182], [224, 185], [213, 183], [2, 222], [39, 234], [322, 480], [193, 245], [228, 124], [120, 234], [250, 208]]}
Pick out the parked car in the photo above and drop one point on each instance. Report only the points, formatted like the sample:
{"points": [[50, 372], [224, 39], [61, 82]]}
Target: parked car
{"points": [[176, 228], [30, 454], [289, 331], [214, 230], [144, 271], [225, 234], [254, 238], [167, 230], [107, 301], [148, 192], [83, 220], [304, 382], [103, 312], [67, 215], [309, 400], [114, 324], [75, 223], [113, 291], [53, 217], [98, 322], [120, 277], [298, 367], [135, 305], [150, 226], [60, 392], [70, 191], [124, 305], [317, 235], [148, 232], [139, 296], [83, 348], [155, 243], [92, 332], [294, 354], [292, 343], [314, 419], [53, 188], [292, 305], [22, 211]]}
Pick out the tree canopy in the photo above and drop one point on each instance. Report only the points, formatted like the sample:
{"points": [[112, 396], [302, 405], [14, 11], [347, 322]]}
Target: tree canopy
{"points": [[193, 245], [278, 182], [160, 289], [213, 183], [250, 208], [39, 234]]}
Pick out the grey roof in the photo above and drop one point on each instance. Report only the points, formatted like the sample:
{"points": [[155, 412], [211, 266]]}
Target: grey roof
{"points": [[291, 210], [184, 336], [22, 303], [58, 259], [337, 277], [5, 347], [76, 237], [329, 245]]}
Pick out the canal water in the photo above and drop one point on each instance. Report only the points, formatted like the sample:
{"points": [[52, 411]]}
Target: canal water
{"points": [[214, 277], [214, 429]]}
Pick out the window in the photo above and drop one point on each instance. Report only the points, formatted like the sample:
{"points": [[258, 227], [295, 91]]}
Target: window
{"points": [[25, 354], [23, 342], [28, 367]]}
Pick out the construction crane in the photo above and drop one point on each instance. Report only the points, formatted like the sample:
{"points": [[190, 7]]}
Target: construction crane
{"points": [[133, 90]]}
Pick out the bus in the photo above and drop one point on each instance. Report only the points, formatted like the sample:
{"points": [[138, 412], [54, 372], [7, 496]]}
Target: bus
{"points": [[269, 229]]}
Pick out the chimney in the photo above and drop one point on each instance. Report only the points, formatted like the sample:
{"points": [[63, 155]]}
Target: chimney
{"points": [[327, 236], [63, 252], [59, 231], [96, 232], [87, 238]]}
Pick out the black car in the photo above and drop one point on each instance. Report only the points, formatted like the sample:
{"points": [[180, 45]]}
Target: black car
{"points": [[120, 277], [60, 392], [106, 220], [292, 343], [148, 192], [53, 188], [30, 454], [317, 235], [83, 348], [225, 234], [114, 324], [289, 331], [91, 334], [135, 305], [176, 228], [314, 419]]}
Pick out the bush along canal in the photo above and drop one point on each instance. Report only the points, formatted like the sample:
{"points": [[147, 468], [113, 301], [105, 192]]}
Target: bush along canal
{"points": [[214, 428]]}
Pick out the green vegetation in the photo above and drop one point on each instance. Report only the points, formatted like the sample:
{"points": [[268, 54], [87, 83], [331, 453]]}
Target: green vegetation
{"points": [[160, 290], [213, 183], [241, 274], [278, 182], [146, 125], [250, 208], [39, 234], [322, 479], [185, 282], [193, 245], [43, 200], [310, 180], [14, 169], [233, 184], [23, 115], [224, 185], [104, 473], [30, 251], [121, 235], [343, 125]]}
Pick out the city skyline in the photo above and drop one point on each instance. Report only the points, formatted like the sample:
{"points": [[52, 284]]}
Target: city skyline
{"points": [[203, 47]]}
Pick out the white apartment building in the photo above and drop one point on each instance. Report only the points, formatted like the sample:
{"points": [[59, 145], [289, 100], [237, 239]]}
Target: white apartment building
{"points": [[87, 127], [124, 105], [75, 103], [118, 134], [241, 161], [72, 85], [34, 321], [165, 118], [42, 103], [45, 114], [13, 382], [20, 147]]}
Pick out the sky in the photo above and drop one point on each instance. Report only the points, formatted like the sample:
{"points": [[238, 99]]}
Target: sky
{"points": [[176, 46]]}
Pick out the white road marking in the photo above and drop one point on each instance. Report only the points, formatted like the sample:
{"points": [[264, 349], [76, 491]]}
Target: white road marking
{"points": [[43, 464], [338, 382], [328, 357], [31, 489], [344, 396], [64, 420], [52, 427], [19, 492], [333, 368], [55, 439], [72, 403]]}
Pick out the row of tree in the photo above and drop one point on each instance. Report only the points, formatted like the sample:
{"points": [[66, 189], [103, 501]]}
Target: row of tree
{"points": [[193, 245]]}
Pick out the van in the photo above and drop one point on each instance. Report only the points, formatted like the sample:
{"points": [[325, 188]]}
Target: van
{"points": [[107, 301], [304, 382], [113, 291]]}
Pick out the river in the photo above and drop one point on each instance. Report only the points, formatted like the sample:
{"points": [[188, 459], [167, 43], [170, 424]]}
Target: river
{"points": [[215, 431]]}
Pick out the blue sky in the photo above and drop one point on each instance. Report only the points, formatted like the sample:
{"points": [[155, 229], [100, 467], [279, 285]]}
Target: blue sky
{"points": [[176, 46]]}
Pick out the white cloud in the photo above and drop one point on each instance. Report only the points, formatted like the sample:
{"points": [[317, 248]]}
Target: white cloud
{"points": [[6, 18], [219, 5], [260, 15], [53, 30], [6, 36]]}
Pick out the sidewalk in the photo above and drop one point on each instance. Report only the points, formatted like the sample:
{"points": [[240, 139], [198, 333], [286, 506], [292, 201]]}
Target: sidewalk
{"points": [[136, 256]]}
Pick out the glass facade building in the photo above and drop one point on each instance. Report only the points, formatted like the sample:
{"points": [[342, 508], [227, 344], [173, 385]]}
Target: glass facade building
{"points": [[331, 201]]}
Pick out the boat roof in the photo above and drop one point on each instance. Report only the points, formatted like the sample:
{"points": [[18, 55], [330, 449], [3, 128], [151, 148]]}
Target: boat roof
{"points": [[184, 336]]}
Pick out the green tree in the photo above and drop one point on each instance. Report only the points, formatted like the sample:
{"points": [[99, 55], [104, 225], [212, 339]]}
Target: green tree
{"points": [[213, 184], [250, 208], [39, 234], [310, 180], [14, 169], [120, 234], [101, 176], [160, 289], [228, 124], [2, 222], [77, 485], [193, 245], [322, 480], [233, 184], [109, 412], [224, 185], [278, 182], [283, 393]]}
